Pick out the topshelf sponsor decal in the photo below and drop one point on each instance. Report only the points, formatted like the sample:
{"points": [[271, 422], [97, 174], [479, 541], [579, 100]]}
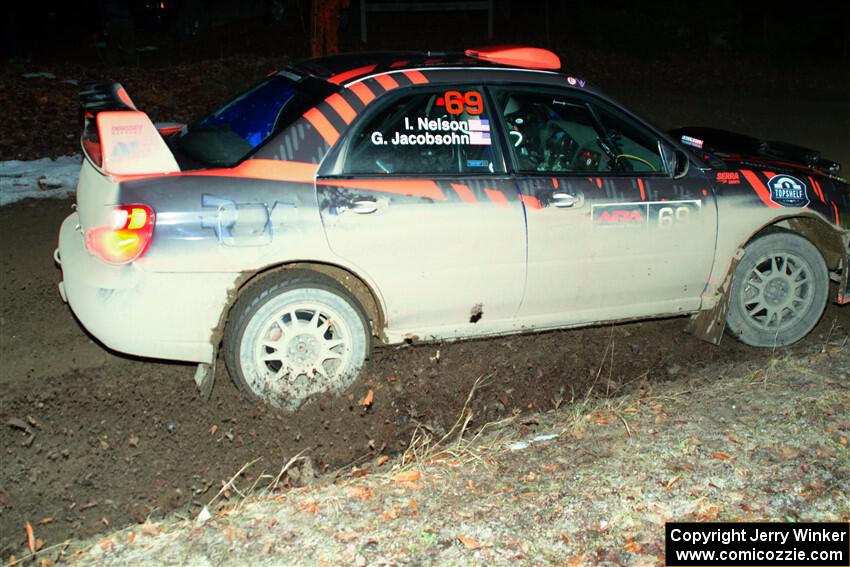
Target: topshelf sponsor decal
{"points": [[437, 132], [788, 191]]}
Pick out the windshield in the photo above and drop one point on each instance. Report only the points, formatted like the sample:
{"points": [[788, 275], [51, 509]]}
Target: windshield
{"points": [[228, 135]]}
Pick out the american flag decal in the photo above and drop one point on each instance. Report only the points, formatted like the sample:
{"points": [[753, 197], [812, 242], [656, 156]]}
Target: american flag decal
{"points": [[479, 132]]}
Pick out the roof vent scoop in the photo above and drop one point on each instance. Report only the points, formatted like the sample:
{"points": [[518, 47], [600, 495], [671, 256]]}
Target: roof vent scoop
{"points": [[517, 56]]}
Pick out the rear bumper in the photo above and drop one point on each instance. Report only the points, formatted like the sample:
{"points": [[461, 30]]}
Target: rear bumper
{"points": [[150, 314]]}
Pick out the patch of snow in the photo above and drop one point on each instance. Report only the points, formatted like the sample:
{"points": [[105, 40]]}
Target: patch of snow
{"points": [[520, 445], [39, 179], [40, 75]]}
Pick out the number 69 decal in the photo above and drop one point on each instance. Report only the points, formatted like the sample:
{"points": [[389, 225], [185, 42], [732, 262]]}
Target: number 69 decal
{"points": [[673, 213], [457, 102]]}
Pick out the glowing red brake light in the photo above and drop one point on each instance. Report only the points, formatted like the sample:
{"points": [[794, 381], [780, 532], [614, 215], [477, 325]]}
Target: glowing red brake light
{"points": [[126, 238]]}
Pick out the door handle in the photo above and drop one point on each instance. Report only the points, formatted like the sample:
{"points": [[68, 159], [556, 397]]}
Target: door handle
{"points": [[364, 207], [567, 200]]}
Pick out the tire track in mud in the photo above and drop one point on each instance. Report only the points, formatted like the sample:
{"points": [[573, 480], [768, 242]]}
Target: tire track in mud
{"points": [[108, 441]]}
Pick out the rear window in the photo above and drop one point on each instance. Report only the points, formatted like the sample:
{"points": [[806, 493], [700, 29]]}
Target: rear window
{"points": [[231, 133]]}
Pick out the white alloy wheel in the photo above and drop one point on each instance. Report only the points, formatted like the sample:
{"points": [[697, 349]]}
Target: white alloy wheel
{"points": [[779, 291], [296, 336]]}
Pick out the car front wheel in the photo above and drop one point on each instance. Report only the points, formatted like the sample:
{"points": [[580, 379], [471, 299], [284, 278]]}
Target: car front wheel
{"points": [[295, 335], [779, 291]]}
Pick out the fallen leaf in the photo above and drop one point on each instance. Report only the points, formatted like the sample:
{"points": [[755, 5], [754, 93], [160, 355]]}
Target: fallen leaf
{"points": [[469, 542], [671, 482], [788, 453], [131, 537], [104, 444], [601, 420], [391, 514], [412, 504], [213, 429], [310, 507], [150, 529], [721, 456], [367, 400], [470, 486], [346, 536], [360, 492], [106, 544], [383, 459], [407, 476], [44, 521], [632, 547], [133, 441], [551, 467], [18, 424], [824, 452], [30, 537], [843, 440]]}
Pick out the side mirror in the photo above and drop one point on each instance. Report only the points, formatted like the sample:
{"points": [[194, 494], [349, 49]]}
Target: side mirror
{"points": [[679, 164]]}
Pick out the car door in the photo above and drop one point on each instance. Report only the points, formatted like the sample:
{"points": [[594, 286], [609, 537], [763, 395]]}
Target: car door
{"points": [[611, 233], [417, 199]]}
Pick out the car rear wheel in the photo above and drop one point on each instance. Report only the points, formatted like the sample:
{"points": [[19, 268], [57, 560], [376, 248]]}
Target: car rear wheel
{"points": [[779, 291], [295, 335]]}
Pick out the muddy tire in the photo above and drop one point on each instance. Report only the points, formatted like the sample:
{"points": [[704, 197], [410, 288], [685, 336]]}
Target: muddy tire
{"points": [[779, 291], [294, 335]]}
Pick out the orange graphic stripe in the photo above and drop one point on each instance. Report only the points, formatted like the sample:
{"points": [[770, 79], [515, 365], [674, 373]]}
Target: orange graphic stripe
{"points": [[465, 193], [363, 92], [387, 82], [415, 77], [837, 218], [320, 122], [272, 169], [555, 182], [642, 190], [531, 202], [815, 187], [497, 197], [342, 107], [413, 187], [399, 64], [340, 78], [820, 190], [759, 188]]}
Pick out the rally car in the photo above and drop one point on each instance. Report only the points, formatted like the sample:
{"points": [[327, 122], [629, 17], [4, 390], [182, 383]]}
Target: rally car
{"points": [[389, 197]]}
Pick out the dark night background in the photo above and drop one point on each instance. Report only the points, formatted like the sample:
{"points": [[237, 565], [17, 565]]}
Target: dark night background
{"points": [[185, 30], [180, 58]]}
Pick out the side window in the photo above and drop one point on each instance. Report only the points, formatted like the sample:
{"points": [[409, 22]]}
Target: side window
{"points": [[429, 132], [557, 132]]}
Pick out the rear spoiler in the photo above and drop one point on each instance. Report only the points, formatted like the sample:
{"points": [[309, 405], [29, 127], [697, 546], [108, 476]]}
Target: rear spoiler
{"points": [[98, 96], [118, 139], [713, 140]]}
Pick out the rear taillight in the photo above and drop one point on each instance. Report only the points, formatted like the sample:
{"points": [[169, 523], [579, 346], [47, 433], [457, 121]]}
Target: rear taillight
{"points": [[126, 239]]}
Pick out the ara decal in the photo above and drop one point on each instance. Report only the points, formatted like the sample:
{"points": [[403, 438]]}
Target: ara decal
{"points": [[658, 214]]}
